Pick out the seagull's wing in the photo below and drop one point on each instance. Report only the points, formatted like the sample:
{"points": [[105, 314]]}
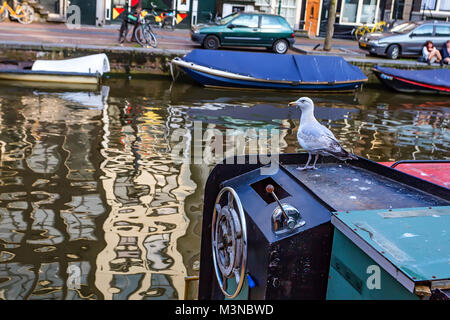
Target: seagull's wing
{"points": [[317, 138], [328, 132]]}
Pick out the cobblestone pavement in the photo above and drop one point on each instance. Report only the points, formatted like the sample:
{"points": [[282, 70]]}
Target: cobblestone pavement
{"points": [[107, 35]]}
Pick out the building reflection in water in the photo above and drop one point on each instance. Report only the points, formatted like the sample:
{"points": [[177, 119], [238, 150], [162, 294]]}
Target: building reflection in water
{"points": [[146, 194], [50, 197], [92, 205]]}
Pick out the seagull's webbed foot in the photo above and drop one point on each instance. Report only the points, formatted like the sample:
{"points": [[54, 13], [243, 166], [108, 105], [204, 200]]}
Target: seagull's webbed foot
{"points": [[306, 167]]}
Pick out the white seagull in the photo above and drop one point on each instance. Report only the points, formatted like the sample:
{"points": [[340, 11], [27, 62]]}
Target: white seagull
{"points": [[314, 137]]}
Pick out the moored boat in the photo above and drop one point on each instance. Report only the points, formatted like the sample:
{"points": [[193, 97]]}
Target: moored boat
{"points": [[356, 230], [436, 171], [415, 81], [83, 70], [250, 70]]}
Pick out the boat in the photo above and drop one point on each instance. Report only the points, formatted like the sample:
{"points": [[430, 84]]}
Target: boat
{"points": [[415, 81], [83, 70], [436, 171], [355, 230], [267, 71]]}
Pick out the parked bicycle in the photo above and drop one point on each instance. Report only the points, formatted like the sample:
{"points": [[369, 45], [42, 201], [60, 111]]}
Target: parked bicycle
{"points": [[144, 34], [22, 13], [359, 32], [164, 20], [142, 30]]}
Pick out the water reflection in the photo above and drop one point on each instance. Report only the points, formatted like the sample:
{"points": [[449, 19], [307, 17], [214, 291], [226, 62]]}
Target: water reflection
{"points": [[49, 193], [145, 192], [93, 207]]}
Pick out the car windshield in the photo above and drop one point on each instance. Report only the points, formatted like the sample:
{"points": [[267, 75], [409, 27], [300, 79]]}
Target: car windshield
{"points": [[403, 27], [228, 18]]}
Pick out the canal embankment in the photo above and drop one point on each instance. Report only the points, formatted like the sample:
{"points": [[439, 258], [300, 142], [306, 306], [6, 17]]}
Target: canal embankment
{"points": [[138, 62]]}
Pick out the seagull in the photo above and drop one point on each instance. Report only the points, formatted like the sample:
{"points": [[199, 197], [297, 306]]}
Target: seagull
{"points": [[315, 138]]}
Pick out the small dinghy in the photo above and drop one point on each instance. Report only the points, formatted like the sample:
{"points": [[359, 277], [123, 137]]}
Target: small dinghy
{"points": [[415, 81], [87, 69], [250, 70]]}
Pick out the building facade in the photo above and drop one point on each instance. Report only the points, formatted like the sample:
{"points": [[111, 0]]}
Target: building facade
{"points": [[308, 15], [100, 12], [430, 9], [312, 15]]}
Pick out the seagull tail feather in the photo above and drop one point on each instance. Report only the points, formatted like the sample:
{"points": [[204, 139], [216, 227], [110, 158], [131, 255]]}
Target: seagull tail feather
{"points": [[343, 155]]}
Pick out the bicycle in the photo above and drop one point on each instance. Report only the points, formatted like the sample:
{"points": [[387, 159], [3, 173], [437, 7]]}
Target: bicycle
{"points": [[360, 31], [143, 33], [23, 13], [164, 20]]}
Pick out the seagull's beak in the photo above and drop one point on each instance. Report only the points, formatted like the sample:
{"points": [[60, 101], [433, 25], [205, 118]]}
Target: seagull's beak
{"points": [[292, 104]]}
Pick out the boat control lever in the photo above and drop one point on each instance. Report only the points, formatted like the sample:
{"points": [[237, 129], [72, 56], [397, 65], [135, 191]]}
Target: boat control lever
{"points": [[285, 218]]}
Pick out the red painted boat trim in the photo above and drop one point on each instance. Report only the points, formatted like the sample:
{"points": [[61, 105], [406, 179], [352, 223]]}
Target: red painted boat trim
{"points": [[423, 84], [438, 173]]}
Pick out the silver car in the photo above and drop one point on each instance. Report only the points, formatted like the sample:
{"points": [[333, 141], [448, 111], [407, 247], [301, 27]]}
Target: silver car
{"points": [[406, 39]]}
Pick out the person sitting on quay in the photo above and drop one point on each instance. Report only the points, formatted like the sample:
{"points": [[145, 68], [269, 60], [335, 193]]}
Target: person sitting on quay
{"points": [[446, 53], [430, 54]]}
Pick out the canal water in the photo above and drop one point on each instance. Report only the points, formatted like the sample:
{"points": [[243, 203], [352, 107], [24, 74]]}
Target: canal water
{"points": [[93, 205]]}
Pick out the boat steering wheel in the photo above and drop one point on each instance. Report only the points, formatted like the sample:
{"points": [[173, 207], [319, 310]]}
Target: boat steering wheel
{"points": [[229, 241]]}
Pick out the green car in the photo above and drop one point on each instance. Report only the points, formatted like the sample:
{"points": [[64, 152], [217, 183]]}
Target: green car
{"points": [[246, 29]]}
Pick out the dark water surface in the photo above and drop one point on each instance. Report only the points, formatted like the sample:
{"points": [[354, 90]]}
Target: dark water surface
{"points": [[92, 206]]}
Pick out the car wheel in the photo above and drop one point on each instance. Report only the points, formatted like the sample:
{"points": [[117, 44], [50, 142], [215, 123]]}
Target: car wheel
{"points": [[211, 42], [280, 46], [393, 52]]}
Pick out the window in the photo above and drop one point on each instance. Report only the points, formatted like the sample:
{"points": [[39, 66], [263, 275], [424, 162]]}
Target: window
{"points": [[237, 9], [369, 8], [399, 6], [350, 11], [443, 31], [445, 5], [246, 21], [270, 22], [435, 5], [228, 18], [359, 11], [424, 31], [428, 5]]}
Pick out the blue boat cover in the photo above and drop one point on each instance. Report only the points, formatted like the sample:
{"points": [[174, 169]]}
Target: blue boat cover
{"points": [[435, 77], [279, 67]]}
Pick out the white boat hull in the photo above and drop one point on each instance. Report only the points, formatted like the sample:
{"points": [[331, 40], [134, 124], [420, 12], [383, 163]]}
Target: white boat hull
{"points": [[39, 77]]}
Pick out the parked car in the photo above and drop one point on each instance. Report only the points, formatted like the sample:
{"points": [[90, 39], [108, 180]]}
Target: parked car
{"points": [[246, 29], [406, 39]]}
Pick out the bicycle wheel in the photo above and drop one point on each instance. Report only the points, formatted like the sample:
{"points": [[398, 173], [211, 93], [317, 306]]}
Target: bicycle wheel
{"points": [[380, 26], [25, 14], [3, 15], [151, 37], [139, 36], [360, 32], [144, 36]]}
